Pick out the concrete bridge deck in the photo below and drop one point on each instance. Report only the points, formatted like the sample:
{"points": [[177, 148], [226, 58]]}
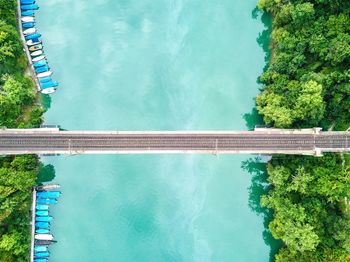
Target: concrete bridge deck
{"points": [[260, 141]]}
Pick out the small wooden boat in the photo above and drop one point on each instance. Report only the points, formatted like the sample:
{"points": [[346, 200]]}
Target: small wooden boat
{"points": [[36, 53], [29, 31], [33, 42], [35, 47], [27, 19], [44, 74], [38, 58]]}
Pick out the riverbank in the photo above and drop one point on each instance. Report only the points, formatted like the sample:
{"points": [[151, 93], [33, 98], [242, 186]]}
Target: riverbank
{"points": [[19, 108], [306, 85]]}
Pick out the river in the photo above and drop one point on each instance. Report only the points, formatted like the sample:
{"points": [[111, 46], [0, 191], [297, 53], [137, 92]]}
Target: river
{"points": [[154, 65]]}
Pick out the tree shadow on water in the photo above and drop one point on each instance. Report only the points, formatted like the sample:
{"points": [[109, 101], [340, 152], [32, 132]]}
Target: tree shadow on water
{"points": [[45, 101], [257, 167], [46, 173]]}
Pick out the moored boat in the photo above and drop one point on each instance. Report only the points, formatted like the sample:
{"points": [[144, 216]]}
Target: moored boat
{"points": [[42, 213], [28, 25], [44, 74], [40, 248], [43, 225], [28, 13], [41, 254], [36, 53], [42, 69], [40, 63], [48, 91], [29, 31], [40, 260], [27, 19], [48, 194], [48, 85], [38, 58], [29, 7], [43, 219], [42, 231], [42, 207], [32, 36], [35, 47], [27, 2], [44, 237], [32, 42], [45, 80]]}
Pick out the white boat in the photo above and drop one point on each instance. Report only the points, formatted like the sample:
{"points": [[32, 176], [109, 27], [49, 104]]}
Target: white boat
{"points": [[27, 19], [29, 31], [47, 91], [38, 58], [36, 53], [44, 74], [30, 42], [43, 237]]}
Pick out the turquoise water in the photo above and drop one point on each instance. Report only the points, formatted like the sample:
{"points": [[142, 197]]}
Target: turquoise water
{"points": [[153, 65]]}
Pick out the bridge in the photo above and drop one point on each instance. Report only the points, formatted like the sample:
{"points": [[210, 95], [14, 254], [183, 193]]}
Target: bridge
{"points": [[260, 141]]}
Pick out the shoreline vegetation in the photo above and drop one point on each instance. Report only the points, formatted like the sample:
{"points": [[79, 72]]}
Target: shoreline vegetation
{"points": [[19, 108], [307, 84]]}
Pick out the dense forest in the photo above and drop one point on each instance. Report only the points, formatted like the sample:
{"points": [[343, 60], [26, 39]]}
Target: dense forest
{"points": [[307, 84], [18, 108]]}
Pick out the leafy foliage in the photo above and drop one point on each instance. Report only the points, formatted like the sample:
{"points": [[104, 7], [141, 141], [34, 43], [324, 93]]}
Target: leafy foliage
{"points": [[18, 108], [307, 84]]}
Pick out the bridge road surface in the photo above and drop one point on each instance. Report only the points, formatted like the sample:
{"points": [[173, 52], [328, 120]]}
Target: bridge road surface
{"points": [[261, 141]]}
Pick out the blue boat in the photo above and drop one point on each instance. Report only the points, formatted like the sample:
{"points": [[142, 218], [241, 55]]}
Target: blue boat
{"points": [[27, 13], [41, 69], [42, 207], [27, 2], [29, 7], [42, 213], [28, 25], [32, 36], [46, 200], [40, 63], [45, 79], [49, 194], [40, 248], [43, 225], [41, 254], [49, 84], [43, 219], [40, 260], [42, 231]]}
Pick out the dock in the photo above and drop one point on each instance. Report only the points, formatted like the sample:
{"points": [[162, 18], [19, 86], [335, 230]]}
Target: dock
{"points": [[31, 259], [25, 47]]}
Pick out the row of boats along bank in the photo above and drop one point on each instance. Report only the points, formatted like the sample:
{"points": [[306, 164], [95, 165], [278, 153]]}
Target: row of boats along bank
{"points": [[34, 48], [43, 197]]}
